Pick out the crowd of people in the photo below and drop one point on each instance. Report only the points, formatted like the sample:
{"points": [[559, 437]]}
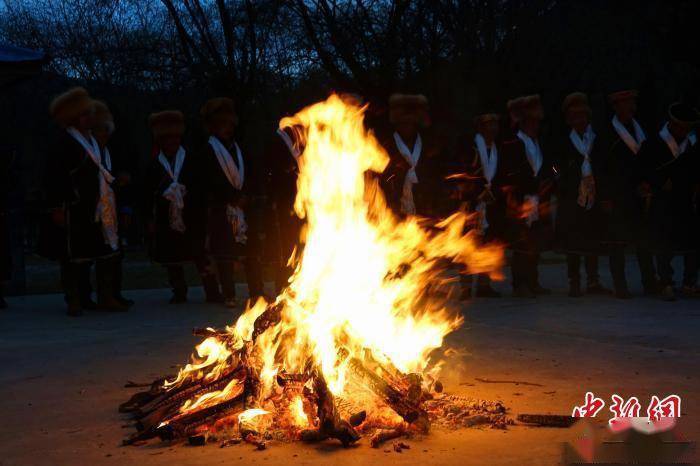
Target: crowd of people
{"points": [[602, 191]]}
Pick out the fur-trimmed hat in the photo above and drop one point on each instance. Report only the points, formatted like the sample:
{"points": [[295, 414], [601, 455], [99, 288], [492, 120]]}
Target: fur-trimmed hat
{"points": [[576, 102], [683, 114], [485, 118], [625, 94], [166, 123], [217, 109], [409, 107], [103, 116], [69, 106]]}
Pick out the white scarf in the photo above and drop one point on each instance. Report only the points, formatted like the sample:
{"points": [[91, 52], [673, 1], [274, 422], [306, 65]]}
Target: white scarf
{"points": [[488, 156], [633, 142], [584, 146], [106, 211], [408, 207], [236, 176], [670, 141], [175, 193], [290, 145], [533, 152], [693, 138], [489, 164]]}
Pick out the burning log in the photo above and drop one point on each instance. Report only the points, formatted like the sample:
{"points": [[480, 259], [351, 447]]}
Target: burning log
{"points": [[404, 406], [330, 423], [384, 435]]}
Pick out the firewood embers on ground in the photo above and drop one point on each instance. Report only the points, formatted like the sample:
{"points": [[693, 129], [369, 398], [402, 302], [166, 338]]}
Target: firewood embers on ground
{"points": [[241, 404]]}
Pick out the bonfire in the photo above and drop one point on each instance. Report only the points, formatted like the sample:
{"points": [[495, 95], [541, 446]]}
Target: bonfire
{"points": [[353, 345]]}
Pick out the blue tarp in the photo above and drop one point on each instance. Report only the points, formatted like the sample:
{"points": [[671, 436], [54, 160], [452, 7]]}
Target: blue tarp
{"points": [[11, 54]]}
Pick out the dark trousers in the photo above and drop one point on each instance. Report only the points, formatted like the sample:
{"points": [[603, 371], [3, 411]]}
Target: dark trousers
{"points": [[690, 268], [645, 259], [75, 280], [524, 269], [573, 264], [176, 278], [646, 268], [253, 273]]}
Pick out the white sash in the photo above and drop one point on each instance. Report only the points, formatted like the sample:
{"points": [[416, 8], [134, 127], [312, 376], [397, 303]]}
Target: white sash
{"points": [[693, 138], [106, 211], [670, 141], [488, 156], [408, 207], [489, 165], [584, 146], [533, 152], [235, 176], [175, 192], [633, 142], [290, 145]]}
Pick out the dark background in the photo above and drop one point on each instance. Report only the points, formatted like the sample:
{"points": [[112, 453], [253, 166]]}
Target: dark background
{"points": [[273, 57]]}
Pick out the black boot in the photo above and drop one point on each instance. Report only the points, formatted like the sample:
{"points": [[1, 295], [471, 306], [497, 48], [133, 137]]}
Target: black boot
{"points": [[104, 271]]}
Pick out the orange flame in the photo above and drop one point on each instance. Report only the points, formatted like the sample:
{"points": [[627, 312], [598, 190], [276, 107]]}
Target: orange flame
{"points": [[366, 283]]}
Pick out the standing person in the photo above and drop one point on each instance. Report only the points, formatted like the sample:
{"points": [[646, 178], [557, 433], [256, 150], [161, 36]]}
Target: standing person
{"points": [[82, 207], [529, 183], [169, 197], [479, 192], [624, 197], [282, 162], [230, 184], [102, 131], [414, 181], [668, 161], [7, 156], [579, 221]]}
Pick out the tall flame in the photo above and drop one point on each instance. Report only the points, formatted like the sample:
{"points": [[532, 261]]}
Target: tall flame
{"points": [[366, 283]]}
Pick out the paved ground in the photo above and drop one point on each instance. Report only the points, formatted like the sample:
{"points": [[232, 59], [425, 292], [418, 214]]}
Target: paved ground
{"points": [[61, 379]]}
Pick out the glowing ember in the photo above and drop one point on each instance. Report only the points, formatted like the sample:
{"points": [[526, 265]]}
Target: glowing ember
{"points": [[362, 314]]}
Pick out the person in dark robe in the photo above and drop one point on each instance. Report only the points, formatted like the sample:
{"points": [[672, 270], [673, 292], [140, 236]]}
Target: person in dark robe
{"points": [[170, 200], [692, 258], [284, 226], [414, 182], [82, 218], [231, 185], [7, 156], [528, 184], [579, 220], [479, 192], [667, 158], [624, 196], [102, 132]]}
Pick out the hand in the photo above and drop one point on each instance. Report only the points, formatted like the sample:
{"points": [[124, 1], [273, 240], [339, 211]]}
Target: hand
{"points": [[58, 217]]}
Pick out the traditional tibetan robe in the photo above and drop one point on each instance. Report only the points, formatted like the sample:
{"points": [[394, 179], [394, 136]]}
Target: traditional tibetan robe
{"points": [[170, 202], [527, 178], [227, 184], [282, 224], [79, 182], [617, 184], [579, 221], [414, 182], [6, 181], [480, 187], [670, 169]]}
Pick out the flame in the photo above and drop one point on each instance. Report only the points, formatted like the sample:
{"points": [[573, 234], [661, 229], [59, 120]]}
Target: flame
{"points": [[366, 284], [296, 409]]}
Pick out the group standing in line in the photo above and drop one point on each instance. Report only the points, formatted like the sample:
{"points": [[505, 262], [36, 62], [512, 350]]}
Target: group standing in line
{"points": [[597, 192]]}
